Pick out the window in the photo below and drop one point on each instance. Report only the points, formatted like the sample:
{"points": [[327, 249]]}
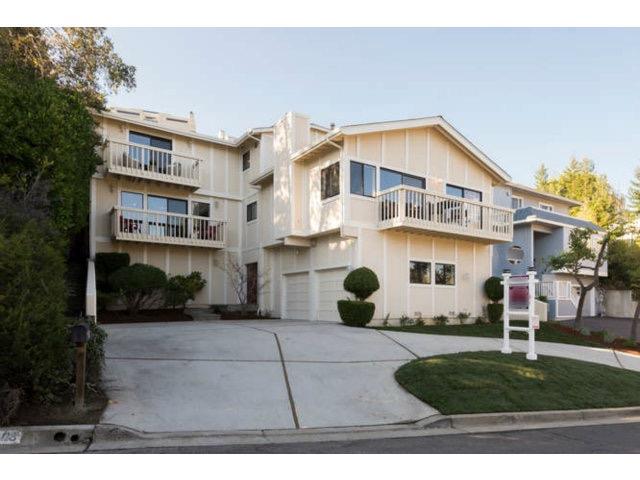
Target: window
{"points": [[363, 179], [445, 274], [132, 200], [150, 140], [420, 272], [391, 178], [547, 207], [516, 202], [165, 204], [167, 225], [330, 181], [200, 209], [246, 160], [462, 192], [252, 211]]}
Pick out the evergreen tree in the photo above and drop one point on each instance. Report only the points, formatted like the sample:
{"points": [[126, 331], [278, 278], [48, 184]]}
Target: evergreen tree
{"points": [[634, 193]]}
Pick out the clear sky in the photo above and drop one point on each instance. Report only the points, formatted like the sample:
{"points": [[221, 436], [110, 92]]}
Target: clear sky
{"points": [[524, 96]]}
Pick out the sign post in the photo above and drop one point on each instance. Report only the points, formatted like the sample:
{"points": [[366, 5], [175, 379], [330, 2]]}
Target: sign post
{"points": [[532, 318]]}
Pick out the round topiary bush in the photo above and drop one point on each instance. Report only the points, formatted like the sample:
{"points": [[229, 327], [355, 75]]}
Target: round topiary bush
{"points": [[494, 312], [139, 285], [493, 289], [356, 313], [362, 282]]}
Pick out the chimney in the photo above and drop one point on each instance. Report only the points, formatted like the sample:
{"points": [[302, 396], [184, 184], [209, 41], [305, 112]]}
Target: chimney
{"points": [[332, 125], [192, 121], [222, 135]]}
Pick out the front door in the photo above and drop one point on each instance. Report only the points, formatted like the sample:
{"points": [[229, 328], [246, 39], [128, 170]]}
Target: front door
{"points": [[252, 283]]}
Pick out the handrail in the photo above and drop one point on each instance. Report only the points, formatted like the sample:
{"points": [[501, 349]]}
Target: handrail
{"points": [[444, 196], [160, 212], [155, 149]]}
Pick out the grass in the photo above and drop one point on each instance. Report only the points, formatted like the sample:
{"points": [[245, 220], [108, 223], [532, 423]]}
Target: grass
{"points": [[548, 332], [484, 382]]}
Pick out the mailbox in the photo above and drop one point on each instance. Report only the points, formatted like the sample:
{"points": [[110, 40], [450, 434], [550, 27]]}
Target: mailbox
{"points": [[80, 333]]}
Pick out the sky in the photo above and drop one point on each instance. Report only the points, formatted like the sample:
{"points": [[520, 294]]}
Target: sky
{"points": [[523, 96]]}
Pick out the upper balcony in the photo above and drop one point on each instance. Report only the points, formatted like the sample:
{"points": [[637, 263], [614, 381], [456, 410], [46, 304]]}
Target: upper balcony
{"points": [[167, 228], [414, 209], [140, 161]]}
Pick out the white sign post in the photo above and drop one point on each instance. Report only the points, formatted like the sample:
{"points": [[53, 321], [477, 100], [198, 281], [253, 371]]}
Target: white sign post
{"points": [[532, 318]]}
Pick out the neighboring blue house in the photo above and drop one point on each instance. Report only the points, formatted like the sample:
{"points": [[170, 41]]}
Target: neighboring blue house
{"points": [[541, 228]]}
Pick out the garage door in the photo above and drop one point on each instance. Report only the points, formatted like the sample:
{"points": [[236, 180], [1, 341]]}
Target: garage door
{"points": [[297, 295], [330, 290]]}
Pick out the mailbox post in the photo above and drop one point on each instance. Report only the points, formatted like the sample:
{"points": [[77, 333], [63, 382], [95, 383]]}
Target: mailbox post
{"points": [[80, 334]]}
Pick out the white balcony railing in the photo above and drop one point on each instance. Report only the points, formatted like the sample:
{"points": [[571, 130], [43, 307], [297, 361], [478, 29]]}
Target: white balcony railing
{"points": [[554, 290], [168, 228], [126, 158], [413, 208]]}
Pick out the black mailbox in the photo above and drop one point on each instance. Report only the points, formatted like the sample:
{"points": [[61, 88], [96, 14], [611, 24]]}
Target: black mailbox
{"points": [[80, 333]]}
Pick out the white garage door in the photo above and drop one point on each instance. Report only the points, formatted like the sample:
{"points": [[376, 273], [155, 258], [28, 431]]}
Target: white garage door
{"points": [[297, 295], [330, 290]]}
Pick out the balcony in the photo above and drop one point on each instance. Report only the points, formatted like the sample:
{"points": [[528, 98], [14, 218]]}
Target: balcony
{"points": [[167, 228], [413, 209], [133, 160]]}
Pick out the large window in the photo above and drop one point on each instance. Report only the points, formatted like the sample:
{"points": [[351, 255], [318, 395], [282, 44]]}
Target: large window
{"points": [[330, 181], [463, 192], [147, 159], [132, 200], [246, 160], [420, 272], [252, 211], [391, 178], [516, 202], [546, 206], [363, 179], [445, 274], [161, 222]]}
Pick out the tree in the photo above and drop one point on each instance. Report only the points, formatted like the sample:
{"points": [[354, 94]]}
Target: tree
{"points": [[237, 275], [182, 288], [624, 274], [579, 181], [140, 286], [78, 59], [541, 177], [583, 255], [634, 194]]}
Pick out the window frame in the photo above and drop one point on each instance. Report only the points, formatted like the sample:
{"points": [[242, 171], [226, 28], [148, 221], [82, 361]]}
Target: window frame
{"points": [[463, 190], [422, 180], [435, 274], [151, 139], [193, 204], [252, 207], [542, 205], [326, 185], [430, 270], [246, 160], [521, 200], [363, 167]]}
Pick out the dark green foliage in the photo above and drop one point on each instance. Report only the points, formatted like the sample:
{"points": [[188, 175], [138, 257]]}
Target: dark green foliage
{"points": [[494, 312], [47, 141], [182, 288], [477, 382], [543, 298], [440, 319], [493, 289], [95, 353], [106, 264], [140, 286], [356, 313], [362, 282], [34, 338]]}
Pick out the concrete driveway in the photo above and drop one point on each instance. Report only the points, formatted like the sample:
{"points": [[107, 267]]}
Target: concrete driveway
{"points": [[253, 375]]}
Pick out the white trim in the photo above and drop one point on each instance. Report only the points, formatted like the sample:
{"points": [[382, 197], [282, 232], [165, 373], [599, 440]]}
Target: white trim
{"points": [[542, 205]]}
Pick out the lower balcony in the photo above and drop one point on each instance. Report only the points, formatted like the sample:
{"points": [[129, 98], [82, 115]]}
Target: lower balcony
{"points": [[413, 209], [167, 228]]}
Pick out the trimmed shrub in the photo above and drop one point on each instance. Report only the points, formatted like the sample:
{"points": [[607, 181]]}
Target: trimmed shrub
{"points": [[95, 353], [440, 319], [182, 288], [356, 313], [493, 289], [494, 312], [362, 282], [139, 285], [106, 264]]}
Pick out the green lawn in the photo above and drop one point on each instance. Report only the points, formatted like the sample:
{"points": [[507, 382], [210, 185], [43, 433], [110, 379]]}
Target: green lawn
{"points": [[548, 332], [478, 382]]}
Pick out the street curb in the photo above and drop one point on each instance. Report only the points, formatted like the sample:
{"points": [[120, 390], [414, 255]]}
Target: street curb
{"points": [[106, 437], [51, 439]]}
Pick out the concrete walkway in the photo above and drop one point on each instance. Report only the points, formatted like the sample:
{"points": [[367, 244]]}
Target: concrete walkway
{"points": [[253, 375]]}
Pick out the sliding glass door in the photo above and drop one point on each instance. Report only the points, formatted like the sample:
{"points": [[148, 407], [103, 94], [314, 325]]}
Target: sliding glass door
{"points": [[167, 225]]}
